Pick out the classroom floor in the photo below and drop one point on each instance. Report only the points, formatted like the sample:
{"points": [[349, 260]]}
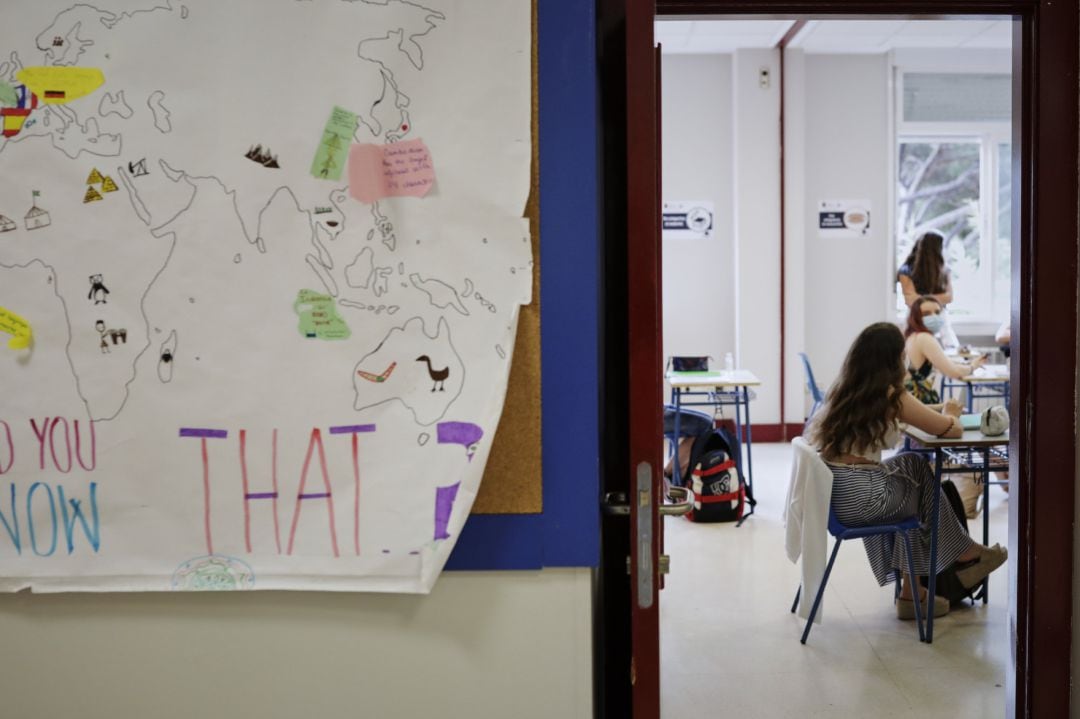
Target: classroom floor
{"points": [[730, 646]]}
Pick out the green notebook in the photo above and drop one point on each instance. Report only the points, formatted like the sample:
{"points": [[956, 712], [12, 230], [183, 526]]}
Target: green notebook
{"points": [[970, 421]]}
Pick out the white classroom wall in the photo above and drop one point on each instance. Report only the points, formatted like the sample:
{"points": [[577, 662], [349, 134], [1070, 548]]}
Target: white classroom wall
{"points": [[698, 275], [846, 155], [835, 148], [756, 107], [482, 645]]}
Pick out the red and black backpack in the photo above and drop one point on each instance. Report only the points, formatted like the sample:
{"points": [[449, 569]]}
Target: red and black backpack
{"points": [[714, 477]]}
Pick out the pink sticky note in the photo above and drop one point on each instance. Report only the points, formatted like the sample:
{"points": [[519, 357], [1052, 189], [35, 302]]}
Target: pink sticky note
{"points": [[400, 169]]}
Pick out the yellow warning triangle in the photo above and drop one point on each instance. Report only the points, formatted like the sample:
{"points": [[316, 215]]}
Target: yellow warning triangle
{"points": [[94, 178], [107, 185], [91, 195]]}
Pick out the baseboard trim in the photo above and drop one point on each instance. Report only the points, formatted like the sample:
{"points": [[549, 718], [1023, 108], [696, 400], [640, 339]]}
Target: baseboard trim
{"points": [[776, 432]]}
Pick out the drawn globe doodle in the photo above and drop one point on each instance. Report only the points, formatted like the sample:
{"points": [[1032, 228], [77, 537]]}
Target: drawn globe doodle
{"points": [[213, 572]]}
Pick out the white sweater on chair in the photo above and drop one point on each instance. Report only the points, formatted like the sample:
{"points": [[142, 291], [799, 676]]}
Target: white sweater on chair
{"points": [[806, 520]]}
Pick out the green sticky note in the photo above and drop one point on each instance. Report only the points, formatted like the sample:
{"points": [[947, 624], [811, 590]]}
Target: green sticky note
{"points": [[333, 150], [8, 96], [318, 317]]}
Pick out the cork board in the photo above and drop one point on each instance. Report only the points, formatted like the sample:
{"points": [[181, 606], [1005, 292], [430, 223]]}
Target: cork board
{"points": [[513, 478]]}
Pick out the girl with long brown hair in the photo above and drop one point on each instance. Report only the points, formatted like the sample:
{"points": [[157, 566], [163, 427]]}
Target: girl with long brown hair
{"points": [[924, 271], [859, 419]]}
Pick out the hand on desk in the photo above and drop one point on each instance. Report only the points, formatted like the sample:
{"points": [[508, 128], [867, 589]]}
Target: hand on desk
{"points": [[977, 362], [952, 407]]}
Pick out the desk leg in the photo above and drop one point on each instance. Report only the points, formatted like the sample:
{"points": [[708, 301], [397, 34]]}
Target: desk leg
{"points": [[986, 516], [932, 579], [749, 439], [676, 470], [970, 398], [743, 398]]}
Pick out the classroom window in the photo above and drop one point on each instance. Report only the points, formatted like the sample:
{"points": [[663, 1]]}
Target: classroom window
{"points": [[954, 171]]}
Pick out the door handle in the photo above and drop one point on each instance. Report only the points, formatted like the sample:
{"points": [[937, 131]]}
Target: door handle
{"points": [[616, 503], [682, 502]]}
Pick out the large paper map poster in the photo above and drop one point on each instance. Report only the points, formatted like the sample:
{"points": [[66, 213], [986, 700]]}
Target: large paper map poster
{"points": [[261, 263]]}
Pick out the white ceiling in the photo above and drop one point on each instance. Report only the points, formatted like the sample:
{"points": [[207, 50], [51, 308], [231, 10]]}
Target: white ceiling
{"points": [[832, 36]]}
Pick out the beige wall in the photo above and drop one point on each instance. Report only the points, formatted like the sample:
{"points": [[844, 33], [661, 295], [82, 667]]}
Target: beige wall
{"points": [[482, 645]]}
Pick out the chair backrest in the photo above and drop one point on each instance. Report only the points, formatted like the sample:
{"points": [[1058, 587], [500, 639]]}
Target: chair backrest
{"points": [[842, 531], [810, 383]]}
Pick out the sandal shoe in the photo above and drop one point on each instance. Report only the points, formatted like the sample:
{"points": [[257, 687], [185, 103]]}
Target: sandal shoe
{"points": [[905, 608], [990, 558]]}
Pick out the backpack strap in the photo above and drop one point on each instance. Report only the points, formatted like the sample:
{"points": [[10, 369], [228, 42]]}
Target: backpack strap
{"points": [[697, 449], [722, 467], [714, 498]]}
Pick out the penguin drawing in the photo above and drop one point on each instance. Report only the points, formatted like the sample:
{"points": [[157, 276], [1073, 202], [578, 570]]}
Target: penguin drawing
{"points": [[438, 376], [98, 291]]}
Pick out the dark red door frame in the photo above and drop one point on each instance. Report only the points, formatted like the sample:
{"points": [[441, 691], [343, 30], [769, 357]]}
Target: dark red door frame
{"points": [[1044, 316]]}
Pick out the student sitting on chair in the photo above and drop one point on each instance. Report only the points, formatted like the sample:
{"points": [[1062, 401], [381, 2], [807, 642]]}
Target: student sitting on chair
{"points": [[926, 358], [925, 354], [861, 418]]}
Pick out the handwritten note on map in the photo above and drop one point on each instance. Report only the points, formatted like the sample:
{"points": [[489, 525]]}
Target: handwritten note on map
{"points": [[400, 169], [334, 146], [17, 327]]}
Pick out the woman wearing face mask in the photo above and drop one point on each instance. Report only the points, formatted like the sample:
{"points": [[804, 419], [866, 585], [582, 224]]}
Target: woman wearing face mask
{"points": [[925, 358], [925, 354]]}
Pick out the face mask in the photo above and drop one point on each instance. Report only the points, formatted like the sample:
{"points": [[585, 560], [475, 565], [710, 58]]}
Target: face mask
{"points": [[934, 323]]}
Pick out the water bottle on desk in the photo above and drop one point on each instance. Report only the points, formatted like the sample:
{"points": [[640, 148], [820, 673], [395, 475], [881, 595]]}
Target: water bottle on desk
{"points": [[729, 364]]}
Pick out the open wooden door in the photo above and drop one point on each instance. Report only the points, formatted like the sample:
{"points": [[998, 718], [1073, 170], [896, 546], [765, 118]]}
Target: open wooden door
{"points": [[628, 635], [644, 333]]}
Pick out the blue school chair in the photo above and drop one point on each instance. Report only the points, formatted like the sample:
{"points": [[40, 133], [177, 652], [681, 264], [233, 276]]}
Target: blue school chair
{"points": [[842, 532], [811, 385]]}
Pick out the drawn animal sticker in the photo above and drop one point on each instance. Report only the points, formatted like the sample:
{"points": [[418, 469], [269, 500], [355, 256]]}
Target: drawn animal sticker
{"points": [[438, 376], [99, 293]]}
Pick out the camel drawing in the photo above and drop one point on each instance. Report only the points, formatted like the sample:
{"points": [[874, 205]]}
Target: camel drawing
{"points": [[438, 376]]}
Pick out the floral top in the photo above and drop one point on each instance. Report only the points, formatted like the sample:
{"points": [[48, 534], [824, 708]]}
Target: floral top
{"points": [[920, 382]]}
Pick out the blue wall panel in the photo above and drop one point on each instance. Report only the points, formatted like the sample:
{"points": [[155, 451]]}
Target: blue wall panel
{"points": [[567, 533]]}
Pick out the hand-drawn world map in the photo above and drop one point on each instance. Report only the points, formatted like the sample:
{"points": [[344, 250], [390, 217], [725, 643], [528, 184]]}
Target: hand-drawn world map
{"points": [[266, 257]]}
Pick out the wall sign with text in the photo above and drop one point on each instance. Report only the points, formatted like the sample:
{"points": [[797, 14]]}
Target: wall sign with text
{"points": [[688, 220], [843, 218]]}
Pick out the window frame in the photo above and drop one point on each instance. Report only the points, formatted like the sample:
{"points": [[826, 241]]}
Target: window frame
{"points": [[989, 134]]}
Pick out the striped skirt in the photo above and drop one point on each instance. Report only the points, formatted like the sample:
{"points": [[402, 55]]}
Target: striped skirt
{"points": [[898, 488]]}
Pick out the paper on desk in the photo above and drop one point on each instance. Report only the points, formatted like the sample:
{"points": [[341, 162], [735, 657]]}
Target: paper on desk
{"points": [[991, 370]]}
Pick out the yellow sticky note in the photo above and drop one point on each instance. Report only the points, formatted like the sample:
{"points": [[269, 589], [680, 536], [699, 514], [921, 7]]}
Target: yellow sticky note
{"points": [[57, 85], [17, 327]]}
